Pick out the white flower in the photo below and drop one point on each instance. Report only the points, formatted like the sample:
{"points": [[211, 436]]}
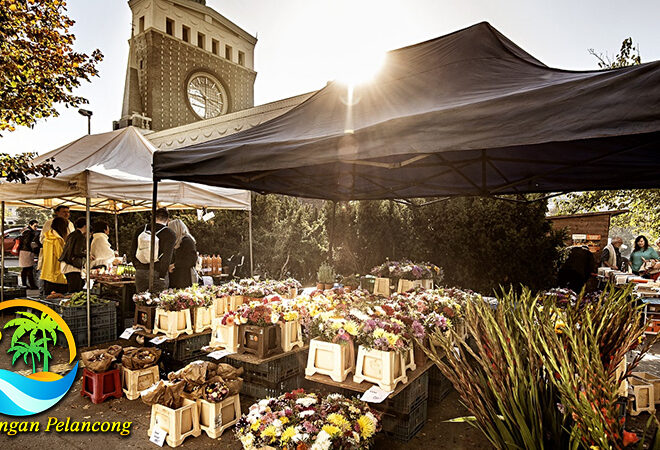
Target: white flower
{"points": [[248, 441], [306, 401], [264, 402], [274, 317], [322, 441], [309, 412], [334, 396], [277, 423]]}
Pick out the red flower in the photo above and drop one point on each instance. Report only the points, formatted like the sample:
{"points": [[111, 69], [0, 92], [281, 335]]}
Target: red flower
{"points": [[629, 438]]}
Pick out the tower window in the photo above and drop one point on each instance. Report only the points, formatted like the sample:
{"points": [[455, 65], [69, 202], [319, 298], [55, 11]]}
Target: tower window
{"points": [[201, 40], [214, 46], [185, 33], [241, 58], [169, 27], [141, 24], [228, 52]]}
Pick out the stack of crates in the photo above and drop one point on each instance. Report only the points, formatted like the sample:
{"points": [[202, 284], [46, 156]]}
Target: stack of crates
{"points": [[272, 378], [179, 352], [103, 317], [439, 386]]}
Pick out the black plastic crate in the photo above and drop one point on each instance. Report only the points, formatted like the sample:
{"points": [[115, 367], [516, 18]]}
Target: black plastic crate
{"points": [[411, 395], [259, 391], [14, 292], [405, 427], [186, 347], [10, 279], [100, 335], [272, 371]]}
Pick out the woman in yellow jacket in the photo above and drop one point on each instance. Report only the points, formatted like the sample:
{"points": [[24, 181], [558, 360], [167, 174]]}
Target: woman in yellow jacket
{"points": [[51, 267]]}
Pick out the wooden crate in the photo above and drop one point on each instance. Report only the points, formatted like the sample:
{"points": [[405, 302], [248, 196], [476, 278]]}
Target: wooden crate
{"points": [[386, 369], [650, 379], [224, 336], [291, 335], [215, 418], [144, 317], [202, 319], [382, 287], [135, 381], [328, 358], [178, 423], [260, 341], [406, 285], [173, 323], [218, 309], [644, 396], [234, 301]]}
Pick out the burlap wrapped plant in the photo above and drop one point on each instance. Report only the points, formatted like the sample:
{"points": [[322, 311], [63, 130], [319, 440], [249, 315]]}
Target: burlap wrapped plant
{"points": [[140, 358]]}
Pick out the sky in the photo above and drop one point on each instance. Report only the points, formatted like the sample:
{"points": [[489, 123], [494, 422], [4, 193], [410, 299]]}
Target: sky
{"points": [[303, 44]]}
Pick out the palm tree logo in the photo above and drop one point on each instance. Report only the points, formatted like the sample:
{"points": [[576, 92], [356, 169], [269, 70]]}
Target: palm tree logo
{"points": [[38, 343]]}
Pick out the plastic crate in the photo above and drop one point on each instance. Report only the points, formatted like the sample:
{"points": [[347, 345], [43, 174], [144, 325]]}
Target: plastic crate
{"points": [[259, 391], [404, 428], [186, 347], [100, 335], [272, 371], [404, 402], [11, 279], [14, 292]]}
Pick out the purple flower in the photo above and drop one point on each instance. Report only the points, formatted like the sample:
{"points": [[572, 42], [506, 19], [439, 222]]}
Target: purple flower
{"points": [[418, 330]]}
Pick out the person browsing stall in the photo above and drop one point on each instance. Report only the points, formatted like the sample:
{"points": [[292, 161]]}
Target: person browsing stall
{"points": [[101, 253], [185, 256], [29, 243], [73, 256], [641, 252], [140, 253], [611, 256], [49, 263]]}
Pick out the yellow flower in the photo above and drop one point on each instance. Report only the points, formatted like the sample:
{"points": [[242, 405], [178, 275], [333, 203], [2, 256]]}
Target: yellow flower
{"points": [[367, 427], [255, 425], [339, 420], [288, 434], [331, 430], [335, 324], [391, 338], [351, 328], [284, 420], [270, 431], [379, 333], [559, 326]]}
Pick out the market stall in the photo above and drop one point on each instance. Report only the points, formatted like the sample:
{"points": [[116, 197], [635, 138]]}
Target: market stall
{"points": [[109, 172]]}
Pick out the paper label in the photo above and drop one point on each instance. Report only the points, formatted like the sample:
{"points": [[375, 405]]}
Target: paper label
{"points": [[219, 354], [128, 332], [158, 436], [374, 395], [158, 340]]}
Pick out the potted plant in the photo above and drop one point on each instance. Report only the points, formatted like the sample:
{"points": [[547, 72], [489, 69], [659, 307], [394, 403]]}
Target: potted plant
{"points": [[325, 276]]}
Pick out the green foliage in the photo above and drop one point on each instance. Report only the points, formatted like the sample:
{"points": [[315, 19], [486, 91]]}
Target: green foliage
{"points": [[326, 274], [19, 168], [539, 375], [38, 64], [39, 214], [627, 56]]}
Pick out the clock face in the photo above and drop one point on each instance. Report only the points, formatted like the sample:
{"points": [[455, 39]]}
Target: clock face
{"points": [[206, 96]]}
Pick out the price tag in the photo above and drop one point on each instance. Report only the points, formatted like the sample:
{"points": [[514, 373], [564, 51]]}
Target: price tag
{"points": [[158, 436], [158, 340], [219, 354], [128, 332], [374, 395]]}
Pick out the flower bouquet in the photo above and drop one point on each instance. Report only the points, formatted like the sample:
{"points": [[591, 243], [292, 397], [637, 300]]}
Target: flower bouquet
{"points": [[173, 313], [259, 332], [302, 421]]}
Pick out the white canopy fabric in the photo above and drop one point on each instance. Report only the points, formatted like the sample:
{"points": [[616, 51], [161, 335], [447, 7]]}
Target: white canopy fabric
{"points": [[114, 170]]}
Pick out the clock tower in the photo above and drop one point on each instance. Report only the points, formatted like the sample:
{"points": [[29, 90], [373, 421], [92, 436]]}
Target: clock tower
{"points": [[186, 63]]}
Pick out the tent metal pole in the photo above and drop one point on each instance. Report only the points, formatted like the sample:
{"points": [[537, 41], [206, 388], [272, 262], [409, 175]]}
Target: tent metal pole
{"points": [[87, 269], [2, 257], [250, 232], [154, 205], [332, 230], [116, 230]]}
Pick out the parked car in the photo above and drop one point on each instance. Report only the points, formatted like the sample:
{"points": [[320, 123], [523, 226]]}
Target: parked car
{"points": [[10, 237]]}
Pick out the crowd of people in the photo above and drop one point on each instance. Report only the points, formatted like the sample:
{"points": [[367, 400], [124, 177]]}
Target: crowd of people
{"points": [[61, 252], [580, 263]]}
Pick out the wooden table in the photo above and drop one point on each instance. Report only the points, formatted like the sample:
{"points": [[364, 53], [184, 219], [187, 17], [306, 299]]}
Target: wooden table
{"points": [[365, 385]]}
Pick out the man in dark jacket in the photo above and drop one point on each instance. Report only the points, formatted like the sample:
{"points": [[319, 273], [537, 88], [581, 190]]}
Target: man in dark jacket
{"points": [[577, 269], [166, 239], [73, 256]]}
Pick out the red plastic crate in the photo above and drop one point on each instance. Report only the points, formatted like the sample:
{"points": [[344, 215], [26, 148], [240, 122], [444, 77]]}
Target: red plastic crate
{"points": [[101, 386]]}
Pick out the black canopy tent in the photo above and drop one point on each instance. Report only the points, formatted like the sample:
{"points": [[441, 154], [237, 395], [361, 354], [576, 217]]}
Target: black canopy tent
{"points": [[469, 113]]}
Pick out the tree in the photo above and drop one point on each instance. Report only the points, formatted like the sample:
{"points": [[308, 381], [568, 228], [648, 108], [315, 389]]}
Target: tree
{"points": [[30, 322], [26, 214], [39, 67], [642, 203], [20, 167]]}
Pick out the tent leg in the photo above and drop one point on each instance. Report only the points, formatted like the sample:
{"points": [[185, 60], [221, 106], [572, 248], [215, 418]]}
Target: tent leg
{"points": [[154, 205], [87, 268], [332, 230], [116, 231], [250, 233], [2, 256]]}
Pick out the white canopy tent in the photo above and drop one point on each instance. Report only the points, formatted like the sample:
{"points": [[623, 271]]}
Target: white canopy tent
{"points": [[112, 173]]}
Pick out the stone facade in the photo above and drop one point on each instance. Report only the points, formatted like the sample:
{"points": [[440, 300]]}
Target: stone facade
{"points": [[172, 41]]}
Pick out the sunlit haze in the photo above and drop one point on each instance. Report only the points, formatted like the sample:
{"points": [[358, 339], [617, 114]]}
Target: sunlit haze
{"points": [[303, 44]]}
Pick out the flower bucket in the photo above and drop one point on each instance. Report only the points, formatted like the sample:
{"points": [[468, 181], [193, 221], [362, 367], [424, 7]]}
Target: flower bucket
{"points": [[291, 335], [328, 358], [406, 285], [224, 336], [386, 369], [173, 323], [144, 317], [202, 318], [260, 341], [177, 423], [215, 418]]}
